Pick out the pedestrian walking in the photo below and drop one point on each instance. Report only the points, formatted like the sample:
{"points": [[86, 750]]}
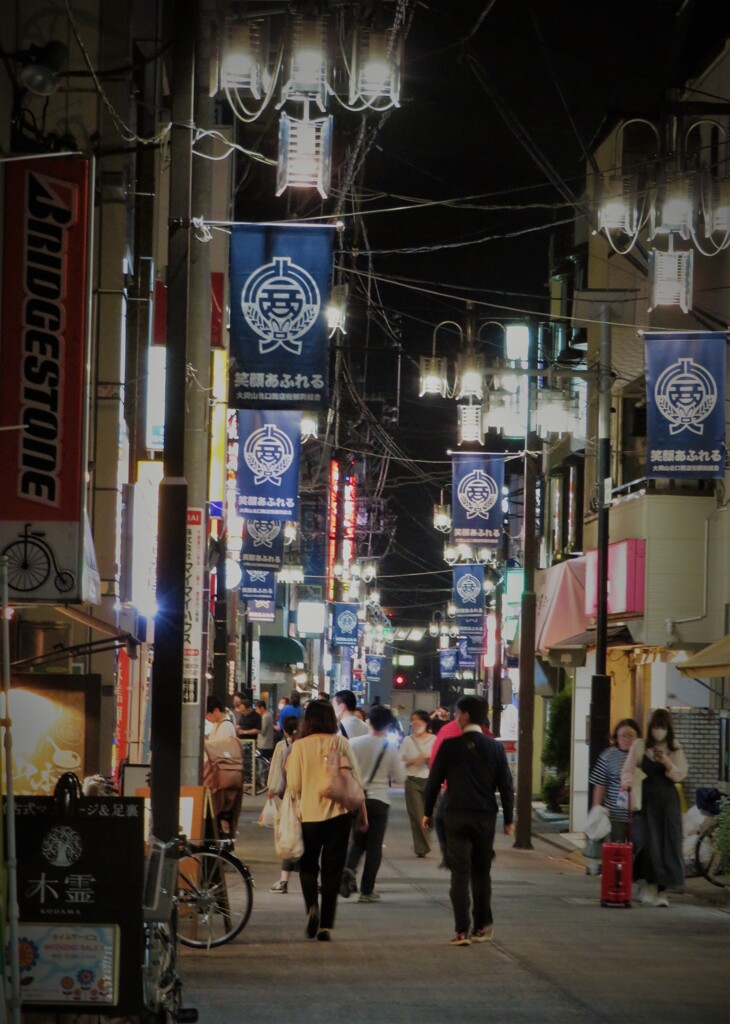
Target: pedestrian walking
{"points": [[657, 826], [474, 766], [380, 765], [416, 754], [325, 824], [276, 785]]}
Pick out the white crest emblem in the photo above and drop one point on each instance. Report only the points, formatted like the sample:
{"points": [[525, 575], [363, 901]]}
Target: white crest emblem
{"points": [[468, 588], [268, 453], [280, 302], [449, 660], [257, 575], [477, 493], [62, 846], [685, 394], [262, 532], [347, 622], [373, 666]]}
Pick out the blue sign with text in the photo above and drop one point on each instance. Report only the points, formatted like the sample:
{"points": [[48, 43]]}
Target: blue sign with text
{"points": [[267, 481], [476, 497]]}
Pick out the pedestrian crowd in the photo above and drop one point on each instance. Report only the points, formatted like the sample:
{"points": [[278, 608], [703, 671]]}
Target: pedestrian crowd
{"points": [[334, 763]]}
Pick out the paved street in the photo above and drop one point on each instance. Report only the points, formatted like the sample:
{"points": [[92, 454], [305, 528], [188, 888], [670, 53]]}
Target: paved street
{"points": [[557, 954]]}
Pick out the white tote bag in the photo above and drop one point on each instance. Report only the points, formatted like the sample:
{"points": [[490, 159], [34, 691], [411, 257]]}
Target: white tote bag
{"points": [[288, 840]]}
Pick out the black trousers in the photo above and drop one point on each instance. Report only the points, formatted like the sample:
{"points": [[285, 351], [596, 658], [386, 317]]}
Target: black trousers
{"points": [[325, 844], [470, 843], [369, 843]]}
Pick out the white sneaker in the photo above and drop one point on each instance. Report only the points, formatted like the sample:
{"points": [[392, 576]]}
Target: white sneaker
{"points": [[649, 895], [636, 891], [662, 900]]}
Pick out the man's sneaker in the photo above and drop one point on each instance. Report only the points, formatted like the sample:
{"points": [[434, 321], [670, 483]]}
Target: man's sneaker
{"points": [[649, 895], [483, 934], [368, 897], [281, 887], [348, 884], [662, 900], [460, 939]]}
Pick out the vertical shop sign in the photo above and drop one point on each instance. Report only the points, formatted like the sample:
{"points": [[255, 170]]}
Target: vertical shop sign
{"points": [[43, 370], [468, 589], [195, 560], [267, 480], [477, 481]]}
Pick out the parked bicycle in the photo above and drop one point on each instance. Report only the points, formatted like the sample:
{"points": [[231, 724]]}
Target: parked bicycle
{"points": [[712, 849], [162, 985], [214, 894]]}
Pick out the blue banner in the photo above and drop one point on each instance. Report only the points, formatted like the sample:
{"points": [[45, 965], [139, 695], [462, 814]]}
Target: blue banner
{"points": [[467, 657], [449, 663], [476, 497], [468, 590], [263, 544], [374, 669], [685, 392], [261, 611], [313, 538], [344, 625], [281, 281], [267, 481], [472, 625], [257, 585]]}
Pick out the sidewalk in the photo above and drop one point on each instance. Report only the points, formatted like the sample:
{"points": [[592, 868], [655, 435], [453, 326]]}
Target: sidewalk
{"points": [[557, 954]]}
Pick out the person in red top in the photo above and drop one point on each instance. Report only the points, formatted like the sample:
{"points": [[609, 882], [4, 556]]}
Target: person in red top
{"points": [[446, 732]]}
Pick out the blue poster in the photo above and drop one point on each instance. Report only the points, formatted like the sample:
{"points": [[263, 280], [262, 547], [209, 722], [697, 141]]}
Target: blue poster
{"points": [[467, 657], [263, 544], [468, 589], [472, 625], [344, 625], [449, 663], [281, 281], [374, 669], [258, 585], [476, 497], [267, 481], [685, 393]]}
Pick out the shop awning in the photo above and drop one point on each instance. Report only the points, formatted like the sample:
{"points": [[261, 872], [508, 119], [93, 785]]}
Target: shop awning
{"points": [[280, 650], [571, 652], [560, 602], [710, 662]]}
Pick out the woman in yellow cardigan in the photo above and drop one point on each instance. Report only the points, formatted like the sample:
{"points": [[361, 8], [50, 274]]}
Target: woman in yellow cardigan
{"points": [[325, 824]]}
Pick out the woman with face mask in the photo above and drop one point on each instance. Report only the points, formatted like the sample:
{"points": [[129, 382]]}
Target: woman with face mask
{"points": [[657, 832], [416, 753]]}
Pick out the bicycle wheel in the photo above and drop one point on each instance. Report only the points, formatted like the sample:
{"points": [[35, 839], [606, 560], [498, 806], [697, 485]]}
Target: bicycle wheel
{"points": [[710, 863], [215, 897], [28, 565], [261, 774]]}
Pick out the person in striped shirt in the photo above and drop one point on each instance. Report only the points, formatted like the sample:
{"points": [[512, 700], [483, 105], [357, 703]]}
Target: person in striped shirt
{"points": [[606, 778]]}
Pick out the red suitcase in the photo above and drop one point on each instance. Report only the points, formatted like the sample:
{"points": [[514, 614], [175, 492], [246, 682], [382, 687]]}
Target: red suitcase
{"points": [[616, 874]]}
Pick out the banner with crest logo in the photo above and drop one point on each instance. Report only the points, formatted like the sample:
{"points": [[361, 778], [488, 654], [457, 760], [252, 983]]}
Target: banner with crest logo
{"points": [[476, 497], [267, 480], [257, 585], [281, 281], [263, 544], [685, 394], [468, 590], [344, 624]]}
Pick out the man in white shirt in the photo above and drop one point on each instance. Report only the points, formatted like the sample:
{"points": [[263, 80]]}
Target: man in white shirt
{"points": [[381, 766], [344, 702]]}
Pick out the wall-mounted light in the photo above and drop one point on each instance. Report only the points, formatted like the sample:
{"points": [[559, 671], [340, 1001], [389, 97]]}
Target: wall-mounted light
{"points": [[40, 67]]}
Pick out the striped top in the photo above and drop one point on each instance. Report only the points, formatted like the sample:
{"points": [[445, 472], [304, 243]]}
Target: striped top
{"points": [[606, 772]]}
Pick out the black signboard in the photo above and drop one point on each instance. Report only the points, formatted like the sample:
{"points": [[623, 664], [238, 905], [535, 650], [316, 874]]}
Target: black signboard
{"points": [[80, 880]]}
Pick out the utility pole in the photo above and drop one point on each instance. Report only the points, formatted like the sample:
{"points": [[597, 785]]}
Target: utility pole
{"points": [[167, 670], [600, 709], [525, 744]]}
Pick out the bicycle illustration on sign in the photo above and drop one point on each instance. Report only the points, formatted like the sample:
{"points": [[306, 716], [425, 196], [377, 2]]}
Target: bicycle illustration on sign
{"points": [[30, 561]]}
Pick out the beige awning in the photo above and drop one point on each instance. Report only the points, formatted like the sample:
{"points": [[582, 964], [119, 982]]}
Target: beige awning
{"points": [[710, 662]]}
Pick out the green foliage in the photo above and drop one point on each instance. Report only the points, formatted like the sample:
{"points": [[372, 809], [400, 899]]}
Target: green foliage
{"points": [[555, 791], [723, 836], [557, 746]]}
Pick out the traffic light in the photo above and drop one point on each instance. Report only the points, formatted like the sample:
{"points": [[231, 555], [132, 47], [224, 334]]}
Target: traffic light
{"points": [[400, 679]]}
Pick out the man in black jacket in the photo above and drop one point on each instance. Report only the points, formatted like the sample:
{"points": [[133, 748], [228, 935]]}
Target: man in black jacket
{"points": [[474, 767]]}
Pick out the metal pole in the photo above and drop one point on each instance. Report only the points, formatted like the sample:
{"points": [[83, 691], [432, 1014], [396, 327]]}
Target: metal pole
{"points": [[167, 671], [13, 912], [600, 710], [523, 826]]}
